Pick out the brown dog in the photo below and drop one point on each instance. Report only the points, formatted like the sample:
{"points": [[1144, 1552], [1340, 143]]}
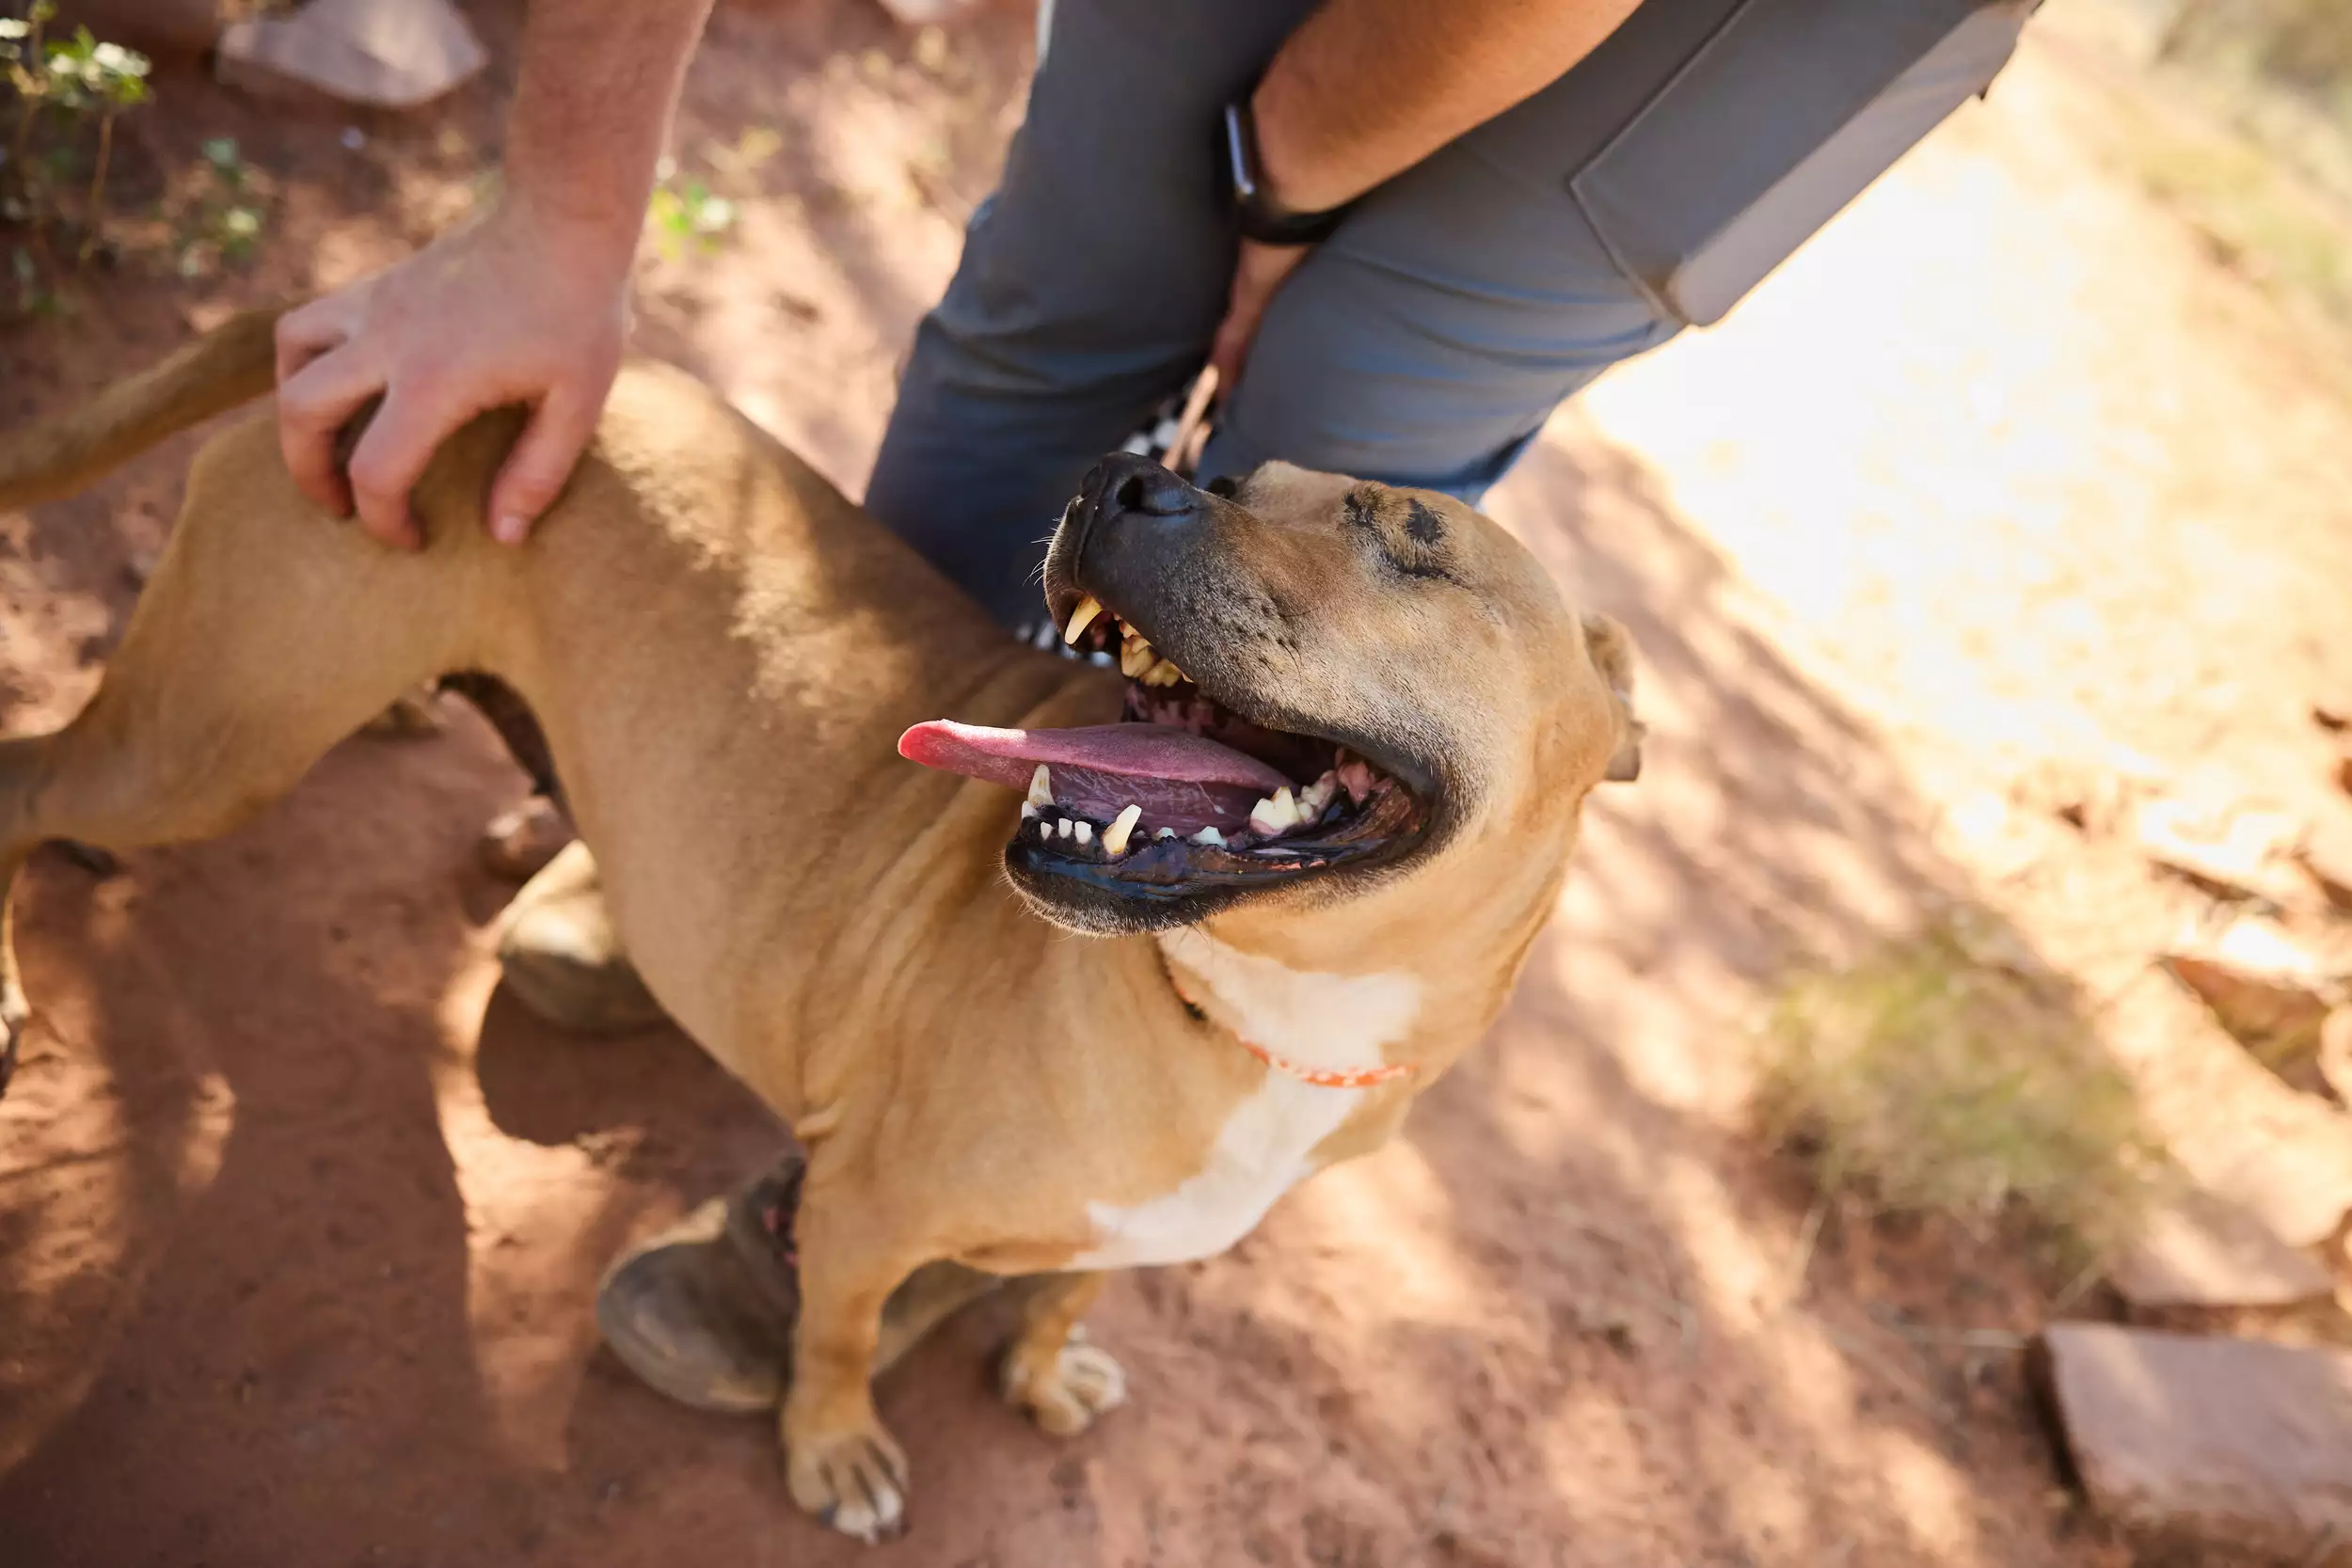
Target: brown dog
{"points": [[1359, 729]]}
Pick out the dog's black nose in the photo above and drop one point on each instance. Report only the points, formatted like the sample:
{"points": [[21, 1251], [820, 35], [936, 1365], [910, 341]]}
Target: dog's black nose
{"points": [[1123, 483]]}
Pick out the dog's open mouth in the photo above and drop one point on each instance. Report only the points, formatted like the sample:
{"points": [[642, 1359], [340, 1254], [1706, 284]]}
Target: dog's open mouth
{"points": [[1185, 793]]}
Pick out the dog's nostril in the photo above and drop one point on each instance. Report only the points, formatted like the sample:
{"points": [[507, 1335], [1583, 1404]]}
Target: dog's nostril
{"points": [[1129, 495]]}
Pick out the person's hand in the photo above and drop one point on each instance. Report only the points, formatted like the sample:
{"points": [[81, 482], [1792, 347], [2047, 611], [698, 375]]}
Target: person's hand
{"points": [[516, 309], [1257, 271]]}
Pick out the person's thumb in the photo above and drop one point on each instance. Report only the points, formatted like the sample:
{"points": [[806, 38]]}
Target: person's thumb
{"points": [[542, 460], [1228, 349]]}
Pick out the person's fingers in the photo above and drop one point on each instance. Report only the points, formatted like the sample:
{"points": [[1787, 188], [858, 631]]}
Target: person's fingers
{"points": [[542, 460], [391, 456], [1230, 349], [313, 407], [1258, 271], [305, 334]]}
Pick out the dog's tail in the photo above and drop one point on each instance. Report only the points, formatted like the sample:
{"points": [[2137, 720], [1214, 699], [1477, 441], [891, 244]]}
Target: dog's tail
{"points": [[234, 363]]}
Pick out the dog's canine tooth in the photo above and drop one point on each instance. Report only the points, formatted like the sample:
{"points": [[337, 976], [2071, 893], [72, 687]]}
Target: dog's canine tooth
{"points": [[1136, 657], [1277, 813], [1208, 835], [1085, 833], [1080, 618], [1115, 836], [1041, 787]]}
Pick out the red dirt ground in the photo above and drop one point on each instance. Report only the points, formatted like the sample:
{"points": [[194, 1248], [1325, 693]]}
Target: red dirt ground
{"points": [[300, 1219]]}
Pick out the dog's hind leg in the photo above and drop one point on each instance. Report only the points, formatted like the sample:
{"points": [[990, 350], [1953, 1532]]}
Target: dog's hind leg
{"points": [[265, 635]]}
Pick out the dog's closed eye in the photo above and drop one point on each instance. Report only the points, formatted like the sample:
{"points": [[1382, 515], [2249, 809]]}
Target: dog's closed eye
{"points": [[1410, 533]]}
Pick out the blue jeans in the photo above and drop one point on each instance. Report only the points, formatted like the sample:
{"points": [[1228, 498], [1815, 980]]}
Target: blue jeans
{"points": [[1428, 340]]}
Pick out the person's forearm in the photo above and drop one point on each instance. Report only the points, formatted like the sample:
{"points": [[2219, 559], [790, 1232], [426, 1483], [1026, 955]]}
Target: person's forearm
{"points": [[1367, 88], [599, 81]]}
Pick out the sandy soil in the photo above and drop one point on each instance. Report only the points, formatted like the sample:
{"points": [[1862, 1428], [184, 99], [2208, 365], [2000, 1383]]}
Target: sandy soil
{"points": [[299, 1219]]}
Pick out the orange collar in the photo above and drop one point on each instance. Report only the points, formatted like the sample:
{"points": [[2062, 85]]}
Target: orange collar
{"points": [[1322, 1078]]}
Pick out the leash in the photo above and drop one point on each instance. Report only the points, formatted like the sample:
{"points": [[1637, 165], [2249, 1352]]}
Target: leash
{"points": [[1322, 1078]]}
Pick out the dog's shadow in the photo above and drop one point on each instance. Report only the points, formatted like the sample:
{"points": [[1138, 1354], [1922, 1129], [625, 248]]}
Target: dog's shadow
{"points": [[550, 1085]]}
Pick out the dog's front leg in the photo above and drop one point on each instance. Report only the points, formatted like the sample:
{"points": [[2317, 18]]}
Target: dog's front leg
{"points": [[842, 1466], [1051, 1371]]}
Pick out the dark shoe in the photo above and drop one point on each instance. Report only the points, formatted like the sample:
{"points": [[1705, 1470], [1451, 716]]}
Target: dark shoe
{"points": [[704, 1311], [562, 957]]}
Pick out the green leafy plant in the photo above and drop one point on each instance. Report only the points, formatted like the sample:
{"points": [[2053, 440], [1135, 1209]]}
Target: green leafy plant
{"points": [[687, 215], [223, 217], [68, 94]]}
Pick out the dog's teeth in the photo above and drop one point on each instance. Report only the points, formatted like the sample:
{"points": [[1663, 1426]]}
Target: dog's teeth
{"points": [[1165, 833], [1115, 836], [1041, 787], [1085, 833], [1161, 674], [1065, 827], [1089, 607], [1317, 794], [1208, 835], [1276, 813], [1136, 657]]}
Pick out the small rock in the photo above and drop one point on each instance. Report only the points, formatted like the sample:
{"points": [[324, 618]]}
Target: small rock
{"points": [[387, 54], [2232, 851], [2261, 984], [2202, 1250], [2189, 1444]]}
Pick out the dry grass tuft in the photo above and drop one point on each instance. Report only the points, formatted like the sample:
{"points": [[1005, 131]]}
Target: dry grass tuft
{"points": [[1921, 1081]]}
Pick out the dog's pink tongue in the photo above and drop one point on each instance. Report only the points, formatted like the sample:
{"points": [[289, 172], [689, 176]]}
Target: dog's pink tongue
{"points": [[1178, 778], [1138, 751]]}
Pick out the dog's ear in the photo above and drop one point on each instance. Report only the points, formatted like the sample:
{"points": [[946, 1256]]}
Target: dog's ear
{"points": [[1611, 653]]}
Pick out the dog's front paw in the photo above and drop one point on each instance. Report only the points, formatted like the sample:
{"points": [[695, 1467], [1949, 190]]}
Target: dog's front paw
{"points": [[856, 1481], [1063, 1390]]}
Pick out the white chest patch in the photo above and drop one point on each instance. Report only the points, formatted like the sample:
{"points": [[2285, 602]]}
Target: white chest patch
{"points": [[1331, 1021]]}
